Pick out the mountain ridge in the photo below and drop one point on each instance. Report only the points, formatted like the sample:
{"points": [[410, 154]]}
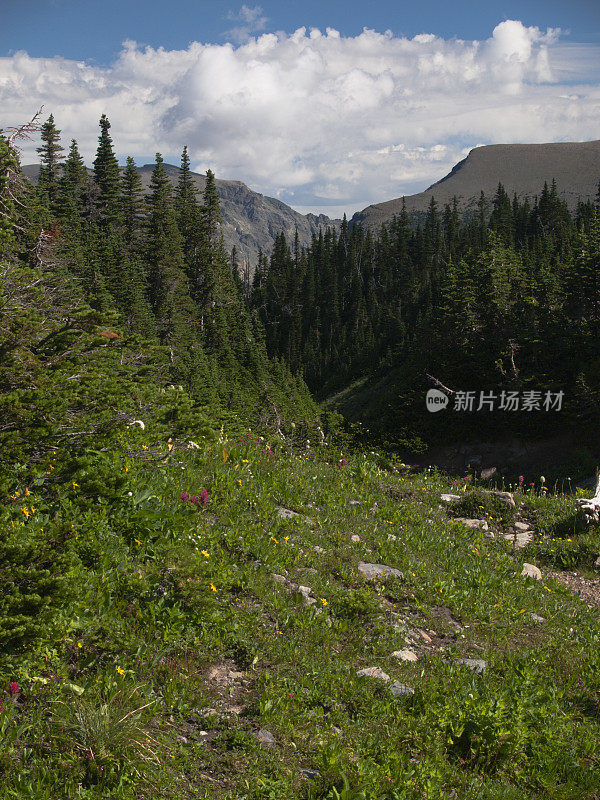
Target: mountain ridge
{"points": [[251, 220], [521, 168]]}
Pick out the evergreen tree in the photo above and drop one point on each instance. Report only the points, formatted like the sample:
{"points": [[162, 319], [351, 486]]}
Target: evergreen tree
{"points": [[50, 158], [106, 176], [132, 204]]}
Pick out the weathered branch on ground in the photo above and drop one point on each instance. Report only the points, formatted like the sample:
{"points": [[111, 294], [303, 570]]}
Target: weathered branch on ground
{"points": [[589, 507]]}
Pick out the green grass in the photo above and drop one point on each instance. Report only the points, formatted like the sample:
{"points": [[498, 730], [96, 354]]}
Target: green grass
{"points": [[174, 645]]}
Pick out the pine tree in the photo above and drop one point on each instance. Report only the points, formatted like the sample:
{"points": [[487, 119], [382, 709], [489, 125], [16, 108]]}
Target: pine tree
{"points": [[50, 158], [187, 212], [106, 176], [132, 204], [73, 184]]}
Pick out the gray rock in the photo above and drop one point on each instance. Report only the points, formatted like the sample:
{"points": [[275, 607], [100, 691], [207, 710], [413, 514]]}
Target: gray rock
{"points": [[354, 502], [401, 689], [449, 498], [371, 571], [522, 526], [286, 513], [405, 655], [266, 737], [318, 549], [597, 563], [537, 618], [278, 578], [504, 497], [477, 665], [518, 540], [310, 774], [531, 571], [373, 672], [474, 523]]}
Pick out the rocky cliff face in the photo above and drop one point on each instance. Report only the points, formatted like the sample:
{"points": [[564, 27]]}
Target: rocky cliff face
{"points": [[250, 220], [521, 168]]}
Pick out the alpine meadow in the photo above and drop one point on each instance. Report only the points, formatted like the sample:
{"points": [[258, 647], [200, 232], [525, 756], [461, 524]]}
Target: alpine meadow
{"points": [[295, 507]]}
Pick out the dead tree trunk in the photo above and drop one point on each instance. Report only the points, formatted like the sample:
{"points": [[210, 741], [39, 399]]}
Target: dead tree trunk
{"points": [[589, 507]]}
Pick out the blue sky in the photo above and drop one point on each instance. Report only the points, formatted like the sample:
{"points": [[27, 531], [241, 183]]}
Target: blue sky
{"points": [[327, 105], [95, 29]]}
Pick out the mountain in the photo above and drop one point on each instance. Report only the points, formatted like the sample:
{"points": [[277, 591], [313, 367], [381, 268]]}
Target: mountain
{"points": [[521, 168], [250, 220]]}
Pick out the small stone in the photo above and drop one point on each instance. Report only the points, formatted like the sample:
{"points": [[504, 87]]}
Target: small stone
{"points": [[355, 538], [504, 497], [266, 737], [597, 563], [373, 672], [424, 636], [531, 571], [319, 549], [522, 526], [354, 502], [371, 571], [477, 665], [405, 655], [401, 689], [286, 513], [310, 774], [305, 590], [278, 578], [474, 523], [537, 618], [449, 498], [391, 537]]}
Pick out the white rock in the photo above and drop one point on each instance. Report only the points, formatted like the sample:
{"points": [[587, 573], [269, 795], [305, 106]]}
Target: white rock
{"points": [[531, 571], [373, 672], [449, 498], [474, 523], [371, 571], [405, 655]]}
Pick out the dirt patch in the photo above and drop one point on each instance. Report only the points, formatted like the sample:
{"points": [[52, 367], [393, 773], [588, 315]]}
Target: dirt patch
{"points": [[587, 588], [228, 687]]}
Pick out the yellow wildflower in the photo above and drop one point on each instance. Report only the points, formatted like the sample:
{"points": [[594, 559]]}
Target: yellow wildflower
{"points": [[213, 587], [205, 554], [239, 481], [121, 671], [137, 541], [26, 512], [79, 644], [27, 493], [324, 601], [273, 539], [286, 538], [75, 485], [245, 461]]}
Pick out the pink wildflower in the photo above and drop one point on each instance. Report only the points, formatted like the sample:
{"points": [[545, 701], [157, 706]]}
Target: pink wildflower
{"points": [[203, 497], [185, 496], [193, 499], [342, 463], [14, 687]]}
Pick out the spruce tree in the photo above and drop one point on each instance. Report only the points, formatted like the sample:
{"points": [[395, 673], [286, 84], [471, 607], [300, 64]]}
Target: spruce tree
{"points": [[50, 158], [106, 175], [132, 205]]}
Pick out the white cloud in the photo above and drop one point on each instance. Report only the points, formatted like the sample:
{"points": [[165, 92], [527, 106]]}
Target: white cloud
{"points": [[249, 21], [317, 118]]}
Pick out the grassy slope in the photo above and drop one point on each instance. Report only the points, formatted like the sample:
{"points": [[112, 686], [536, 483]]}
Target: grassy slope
{"points": [[177, 646]]}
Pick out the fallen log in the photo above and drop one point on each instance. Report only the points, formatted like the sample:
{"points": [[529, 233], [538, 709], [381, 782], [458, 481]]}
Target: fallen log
{"points": [[589, 507]]}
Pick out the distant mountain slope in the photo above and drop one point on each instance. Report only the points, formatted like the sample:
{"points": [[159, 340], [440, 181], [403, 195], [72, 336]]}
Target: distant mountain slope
{"points": [[250, 220], [521, 168]]}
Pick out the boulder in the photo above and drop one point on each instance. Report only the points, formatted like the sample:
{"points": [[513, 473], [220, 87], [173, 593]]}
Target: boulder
{"points": [[531, 571], [371, 571], [373, 672]]}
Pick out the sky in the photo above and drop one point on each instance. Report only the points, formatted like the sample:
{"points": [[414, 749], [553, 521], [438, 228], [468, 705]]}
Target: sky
{"points": [[328, 106]]}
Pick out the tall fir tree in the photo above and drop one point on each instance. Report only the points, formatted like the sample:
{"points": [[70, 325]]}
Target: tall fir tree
{"points": [[106, 176], [50, 158]]}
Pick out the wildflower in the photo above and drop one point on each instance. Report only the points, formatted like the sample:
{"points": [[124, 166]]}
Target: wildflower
{"points": [[342, 463], [287, 538], [27, 493], [205, 554], [138, 542], [193, 499], [273, 539], [203, 497], [213, 587], [185, 496], [80, 644], [75, 485], [355, 538], [521, 478], [26, 512], [245, 461], [13, 687], [323, 601], [239, 482], [120, 670]]}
